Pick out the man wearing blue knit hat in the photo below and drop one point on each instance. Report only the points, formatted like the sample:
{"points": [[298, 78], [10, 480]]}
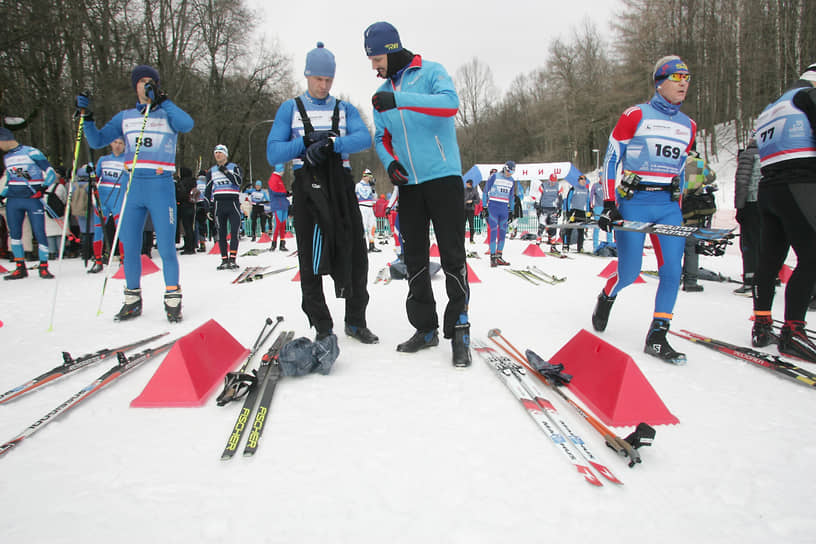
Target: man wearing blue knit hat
{"points": [[415, 138], [150, 187], [317, 132]]}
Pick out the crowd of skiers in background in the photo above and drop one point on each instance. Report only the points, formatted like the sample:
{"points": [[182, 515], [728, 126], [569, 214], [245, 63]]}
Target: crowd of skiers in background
{"points": [[651, 174]]}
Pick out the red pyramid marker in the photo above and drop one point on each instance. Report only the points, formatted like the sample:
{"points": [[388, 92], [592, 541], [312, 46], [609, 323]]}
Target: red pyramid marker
{"points": [[533, 250], [148, 267], [472, 277]]}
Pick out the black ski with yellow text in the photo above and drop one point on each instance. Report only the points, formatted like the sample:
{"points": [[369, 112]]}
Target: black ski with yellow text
{"points": [[251, 398], [268, 390]]}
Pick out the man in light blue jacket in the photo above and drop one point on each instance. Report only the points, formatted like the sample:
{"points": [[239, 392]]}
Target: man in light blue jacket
{"points": [[415, 138]]}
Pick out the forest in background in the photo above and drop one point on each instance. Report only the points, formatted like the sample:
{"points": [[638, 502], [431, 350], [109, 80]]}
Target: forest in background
{"points": [[742, 54]]}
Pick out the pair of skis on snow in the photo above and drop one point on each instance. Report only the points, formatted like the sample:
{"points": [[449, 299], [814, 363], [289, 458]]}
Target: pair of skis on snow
{"points": [[252, 387], [123, 366], [535, 276], [516, 373], [773, 363], [252, 273]]}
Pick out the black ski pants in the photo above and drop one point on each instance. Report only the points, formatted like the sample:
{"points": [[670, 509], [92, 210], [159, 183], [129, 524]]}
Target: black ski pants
{"points": [[748, 219], [437, 201], [784, 210], [228, 218]]}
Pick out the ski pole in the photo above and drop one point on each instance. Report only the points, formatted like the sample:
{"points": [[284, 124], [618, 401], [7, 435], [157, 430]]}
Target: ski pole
{"points": [[237, 384], [621, 446], [66, 220], [122, 212]]}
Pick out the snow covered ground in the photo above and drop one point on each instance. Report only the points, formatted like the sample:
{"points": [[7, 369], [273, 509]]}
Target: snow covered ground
{"points": [[395, 447]]}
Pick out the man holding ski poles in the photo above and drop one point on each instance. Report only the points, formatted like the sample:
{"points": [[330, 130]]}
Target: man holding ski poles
{"points": [[648, 149], [150, 130]]}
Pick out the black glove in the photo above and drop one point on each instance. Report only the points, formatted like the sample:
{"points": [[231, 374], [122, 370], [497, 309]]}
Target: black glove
{"points": [[610, 215], [314, 137], [384, 100], [387, 211], [397, 173], [485, 214], [318, 152], [223, 168], [154, 93]]}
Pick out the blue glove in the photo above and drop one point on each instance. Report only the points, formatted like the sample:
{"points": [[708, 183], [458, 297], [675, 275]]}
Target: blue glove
{"points": [[83, 105], [318, 152], [397, 173], [384, 100]]}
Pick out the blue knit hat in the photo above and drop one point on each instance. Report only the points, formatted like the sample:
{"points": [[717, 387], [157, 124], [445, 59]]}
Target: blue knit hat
{"points": [[222, 148], [258, 183], [319, 62], [510, 167], [381, 38], [143, 70], [6, 135]]}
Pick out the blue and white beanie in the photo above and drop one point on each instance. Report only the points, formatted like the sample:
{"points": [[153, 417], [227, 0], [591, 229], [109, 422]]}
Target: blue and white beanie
{"points": [[666, 66], [381, 38], [222, 148], [320, 62]]}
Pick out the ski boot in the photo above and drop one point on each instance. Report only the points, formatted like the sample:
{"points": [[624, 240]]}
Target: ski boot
{"points": [[232, 264], [500, 261], [657, 345], [283, 245], [493, 263], [202, 247], [274, 245], [692, 287], [600, 317], [746, 289], [794, 341], [372, 248], [19, 273], [460, 345], [363, 334], [420, 340], [43, 270], [96, 268], [172, 305], [132, 306], [225, 264], [762, 331]]}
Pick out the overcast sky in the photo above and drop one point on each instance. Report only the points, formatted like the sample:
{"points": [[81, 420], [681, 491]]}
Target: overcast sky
{"points": [[510, 36]]}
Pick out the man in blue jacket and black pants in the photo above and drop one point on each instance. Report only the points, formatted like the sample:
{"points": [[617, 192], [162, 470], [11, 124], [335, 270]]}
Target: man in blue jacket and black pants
{"points": [[415, 138]]}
